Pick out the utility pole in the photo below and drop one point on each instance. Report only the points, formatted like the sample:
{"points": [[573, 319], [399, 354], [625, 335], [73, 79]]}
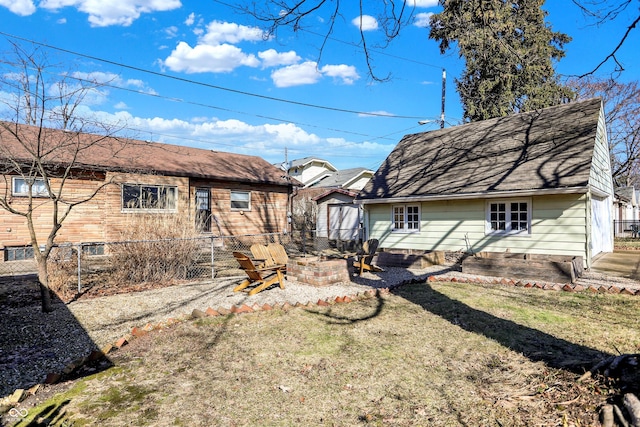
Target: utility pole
{"points": [[444, 85]]}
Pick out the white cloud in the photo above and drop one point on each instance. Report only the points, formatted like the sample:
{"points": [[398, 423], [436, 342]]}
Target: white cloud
{"points": [[207, 58], [422, 3], [62, 21], [296, 75], [121, 106], [19, 7], [308, 73], [365, 23], [215, 51], [229, 32], [347, 73], [273, 58], [107, 13], [422, 19], [190, 19], [171, 31]]}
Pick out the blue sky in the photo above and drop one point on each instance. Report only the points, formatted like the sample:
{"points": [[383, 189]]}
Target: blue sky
{"points": [[199, 73]]}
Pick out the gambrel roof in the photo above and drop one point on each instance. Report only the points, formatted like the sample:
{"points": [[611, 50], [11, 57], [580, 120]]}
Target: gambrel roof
{"points": [[544, 150]]}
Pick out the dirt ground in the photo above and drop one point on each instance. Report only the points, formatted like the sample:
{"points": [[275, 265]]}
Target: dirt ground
{"points": [[426, 354]]}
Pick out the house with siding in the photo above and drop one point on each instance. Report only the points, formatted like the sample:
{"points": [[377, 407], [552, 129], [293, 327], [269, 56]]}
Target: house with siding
{"points": [[222, 193], [328, 195], [535, 183]]}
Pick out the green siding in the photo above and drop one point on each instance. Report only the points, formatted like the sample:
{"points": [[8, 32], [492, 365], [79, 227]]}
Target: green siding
{"points": [[558, 227], [600, 174]]}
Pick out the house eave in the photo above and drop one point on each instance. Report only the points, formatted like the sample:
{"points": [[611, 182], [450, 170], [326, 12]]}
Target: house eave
{"points": [[478, 195]]}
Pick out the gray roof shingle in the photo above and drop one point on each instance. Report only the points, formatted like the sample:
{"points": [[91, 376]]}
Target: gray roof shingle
{"points": [[539, 150]]}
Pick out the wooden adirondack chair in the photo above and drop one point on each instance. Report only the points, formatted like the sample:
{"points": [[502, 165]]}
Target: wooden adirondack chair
{"points": [[262, 255], [257, 276], [278, 254], [365, 257]]}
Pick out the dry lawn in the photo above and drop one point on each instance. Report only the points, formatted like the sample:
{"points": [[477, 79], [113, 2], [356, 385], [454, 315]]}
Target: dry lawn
{"points": [[426, 355]]}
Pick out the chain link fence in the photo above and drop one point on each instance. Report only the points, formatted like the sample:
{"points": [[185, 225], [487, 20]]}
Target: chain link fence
{"points": [[73, 268], [626, 229]]}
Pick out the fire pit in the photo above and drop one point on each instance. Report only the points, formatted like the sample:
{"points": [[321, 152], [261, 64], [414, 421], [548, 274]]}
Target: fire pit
{"points": [[317, 271]]}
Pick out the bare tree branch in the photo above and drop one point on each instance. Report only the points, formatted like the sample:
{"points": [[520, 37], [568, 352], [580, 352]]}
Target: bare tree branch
{"points": [[612, 55]]}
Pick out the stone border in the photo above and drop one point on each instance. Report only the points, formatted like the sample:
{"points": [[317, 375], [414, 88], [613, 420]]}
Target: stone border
{"points": [[96, 355]]}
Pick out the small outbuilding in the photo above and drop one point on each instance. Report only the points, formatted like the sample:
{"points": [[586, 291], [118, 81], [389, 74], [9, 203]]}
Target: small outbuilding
{"points": [[533, 183]]}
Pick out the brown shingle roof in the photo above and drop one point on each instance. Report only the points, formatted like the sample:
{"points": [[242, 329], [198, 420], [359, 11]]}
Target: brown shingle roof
{"points": [[546, 149], [130, 155]]}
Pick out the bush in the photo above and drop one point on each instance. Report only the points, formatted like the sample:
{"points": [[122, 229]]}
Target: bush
{"points": [[156, 248], [62, 267]]}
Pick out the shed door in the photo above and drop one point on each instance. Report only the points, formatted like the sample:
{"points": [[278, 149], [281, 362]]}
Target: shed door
{"points": [[344, 221], [601, 226]]}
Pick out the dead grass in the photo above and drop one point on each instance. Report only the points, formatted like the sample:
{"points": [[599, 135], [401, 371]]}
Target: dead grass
{"points": [[428, 355], [627, 244]]}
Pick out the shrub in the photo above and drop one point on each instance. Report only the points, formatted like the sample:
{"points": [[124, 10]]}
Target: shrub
{"points": [[62, 266], [157, 248]]}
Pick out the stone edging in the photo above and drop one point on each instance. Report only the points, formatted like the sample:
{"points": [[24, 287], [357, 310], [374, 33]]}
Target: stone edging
{"points": [[53, 377]]}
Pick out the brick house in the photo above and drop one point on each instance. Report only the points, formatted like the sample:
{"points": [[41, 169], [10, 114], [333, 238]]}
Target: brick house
{"points": [[223, 193]]}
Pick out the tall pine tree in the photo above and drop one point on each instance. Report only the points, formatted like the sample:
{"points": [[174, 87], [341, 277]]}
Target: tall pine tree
{"points": [[509, 52]]}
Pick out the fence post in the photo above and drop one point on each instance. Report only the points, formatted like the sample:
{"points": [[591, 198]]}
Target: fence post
{"points": [[304, 239], [213, 268], [79, 250]]}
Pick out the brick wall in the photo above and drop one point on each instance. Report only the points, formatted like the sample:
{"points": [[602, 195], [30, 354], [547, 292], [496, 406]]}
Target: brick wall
{"points": [[103, 219], [268, 212]]}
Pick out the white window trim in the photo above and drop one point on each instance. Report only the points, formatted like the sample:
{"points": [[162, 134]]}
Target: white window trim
{"points": [[508, 231], [148, 210], [248, 208], [35, 193], [405, 230]]}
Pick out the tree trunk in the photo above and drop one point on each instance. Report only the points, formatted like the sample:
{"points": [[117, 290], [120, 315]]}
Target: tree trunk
{"points": [[43, 283]]}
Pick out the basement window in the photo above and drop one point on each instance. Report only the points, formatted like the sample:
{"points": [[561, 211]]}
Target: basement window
{"points": [[18, 253], [94, 249]]}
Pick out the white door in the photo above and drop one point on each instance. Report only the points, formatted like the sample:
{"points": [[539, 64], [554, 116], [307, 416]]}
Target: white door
{"points": [[601, 225]]}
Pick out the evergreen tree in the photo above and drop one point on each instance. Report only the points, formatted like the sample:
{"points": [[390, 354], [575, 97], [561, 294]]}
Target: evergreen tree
{"points": [[509, 52]]}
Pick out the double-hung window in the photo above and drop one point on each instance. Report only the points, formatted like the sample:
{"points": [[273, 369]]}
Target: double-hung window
{"points": [[149, 197], [20, 187], [509, 216], [240, 200], [406, 218]]}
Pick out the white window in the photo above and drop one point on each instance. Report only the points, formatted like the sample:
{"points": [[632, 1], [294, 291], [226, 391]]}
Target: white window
{"points": [[509, 216], [240, 200], [21, 187], [149, 197], [406, 218]]}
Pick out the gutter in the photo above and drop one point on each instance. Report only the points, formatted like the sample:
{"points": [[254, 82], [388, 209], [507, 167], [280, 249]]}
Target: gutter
{"points": [[482, 195]]}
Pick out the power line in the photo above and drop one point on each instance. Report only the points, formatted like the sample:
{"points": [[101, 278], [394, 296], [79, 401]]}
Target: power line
{"points": [[199, 104], [208, 85]]}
